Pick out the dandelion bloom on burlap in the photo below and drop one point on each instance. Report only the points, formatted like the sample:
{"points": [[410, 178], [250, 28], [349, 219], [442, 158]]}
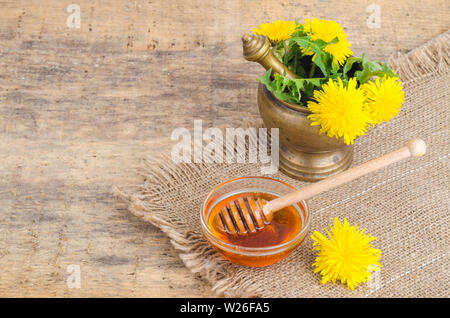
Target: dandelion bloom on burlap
{"points": [[277, 31], [384, 98], [328, 30], [339, 110], [346, 254]]}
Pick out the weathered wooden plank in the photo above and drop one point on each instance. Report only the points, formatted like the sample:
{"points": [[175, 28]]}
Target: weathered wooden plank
{"points": [[79, 108]]}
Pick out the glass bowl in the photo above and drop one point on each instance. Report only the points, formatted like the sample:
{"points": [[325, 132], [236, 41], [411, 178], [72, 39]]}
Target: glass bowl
{"points": [[253, 256]]}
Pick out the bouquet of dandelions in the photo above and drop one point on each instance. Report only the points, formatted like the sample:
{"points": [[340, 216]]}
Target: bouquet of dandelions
{"points": [[345, 94]]}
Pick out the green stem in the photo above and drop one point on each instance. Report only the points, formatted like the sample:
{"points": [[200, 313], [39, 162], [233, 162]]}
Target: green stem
{"points": [[284, 53], [313, 70], [295, 63]]}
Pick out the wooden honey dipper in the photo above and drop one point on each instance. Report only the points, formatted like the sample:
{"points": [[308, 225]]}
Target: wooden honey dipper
{"points": [[250, 214]]}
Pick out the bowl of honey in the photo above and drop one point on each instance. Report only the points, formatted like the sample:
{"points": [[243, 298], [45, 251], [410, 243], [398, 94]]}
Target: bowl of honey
{"points": [[270, 244]]}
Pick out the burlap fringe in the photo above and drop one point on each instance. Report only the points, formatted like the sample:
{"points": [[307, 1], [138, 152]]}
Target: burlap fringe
{"points": [[195, 252], [199, 257], [432, 57]]}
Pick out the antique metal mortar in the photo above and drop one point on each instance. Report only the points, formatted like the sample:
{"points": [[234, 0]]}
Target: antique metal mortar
{"points": [[305, 154]]}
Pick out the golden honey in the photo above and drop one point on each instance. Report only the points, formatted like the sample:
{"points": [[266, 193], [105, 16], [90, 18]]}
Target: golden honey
{"points": [[286, 231], [283, 228]]}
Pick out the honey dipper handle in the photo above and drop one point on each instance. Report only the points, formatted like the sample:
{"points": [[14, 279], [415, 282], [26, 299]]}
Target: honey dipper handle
{"points": [[414, 148]]}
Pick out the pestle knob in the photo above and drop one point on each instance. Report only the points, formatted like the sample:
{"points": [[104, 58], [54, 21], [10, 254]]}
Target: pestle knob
{"points": [[246, 38], [257, 48]]}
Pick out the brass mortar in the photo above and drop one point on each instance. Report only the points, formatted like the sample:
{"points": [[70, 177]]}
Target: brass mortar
{"points": [[304, 153]]}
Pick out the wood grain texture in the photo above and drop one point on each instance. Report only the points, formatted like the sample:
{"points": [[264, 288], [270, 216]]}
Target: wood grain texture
{"points": [[79, 109]]}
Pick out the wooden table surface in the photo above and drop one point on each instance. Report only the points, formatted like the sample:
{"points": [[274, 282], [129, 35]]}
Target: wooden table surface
{"points": [[81, 107]]}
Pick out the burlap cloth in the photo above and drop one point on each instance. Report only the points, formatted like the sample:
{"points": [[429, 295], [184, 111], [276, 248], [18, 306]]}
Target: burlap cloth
{"points": [[406, 206]]}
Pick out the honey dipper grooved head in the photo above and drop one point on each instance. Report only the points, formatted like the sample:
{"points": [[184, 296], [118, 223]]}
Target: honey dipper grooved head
{"points": [[242, 216]]}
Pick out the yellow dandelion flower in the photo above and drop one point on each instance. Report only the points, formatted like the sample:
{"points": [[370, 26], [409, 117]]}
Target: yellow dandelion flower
{"points": [[327, 30], [346, 255], [385, 97], [277, 31], [340, 110]]}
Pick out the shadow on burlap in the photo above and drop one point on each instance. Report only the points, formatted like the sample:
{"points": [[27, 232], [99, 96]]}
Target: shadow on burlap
{"points": [[406, 206]]}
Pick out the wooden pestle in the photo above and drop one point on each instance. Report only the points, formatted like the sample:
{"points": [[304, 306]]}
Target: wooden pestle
{"points": [[251, 214]]}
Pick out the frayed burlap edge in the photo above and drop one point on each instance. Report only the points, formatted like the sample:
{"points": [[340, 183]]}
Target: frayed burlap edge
{"points": [[146, 202], [432, 57]]}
